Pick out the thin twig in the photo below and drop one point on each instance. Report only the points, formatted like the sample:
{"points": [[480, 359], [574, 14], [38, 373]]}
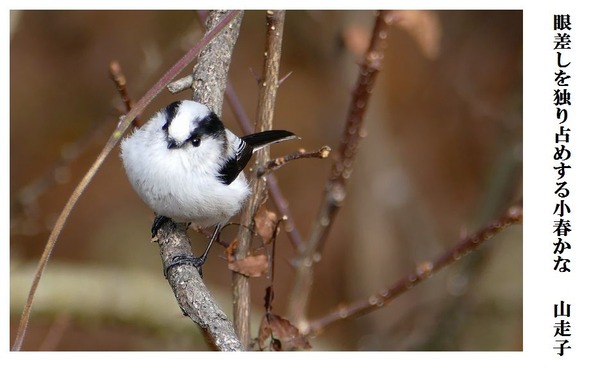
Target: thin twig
{"points": [[193, 296], [265, 111], [275, 193], [335, 188], [117, 76], [181, 85], [238, 109], [275, 164], [122, 127], [283, 207], [423, 271]]}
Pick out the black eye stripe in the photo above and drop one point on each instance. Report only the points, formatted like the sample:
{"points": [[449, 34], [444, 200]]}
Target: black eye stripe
{"points": [[170, 113], [209, 125]]}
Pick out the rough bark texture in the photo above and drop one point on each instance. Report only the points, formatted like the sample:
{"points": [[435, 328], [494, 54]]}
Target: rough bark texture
{"points": [[210, 73], [193, 297], [191, 293]]}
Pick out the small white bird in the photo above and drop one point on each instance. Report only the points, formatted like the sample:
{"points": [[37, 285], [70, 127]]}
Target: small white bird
{"points": [[186, 166]]}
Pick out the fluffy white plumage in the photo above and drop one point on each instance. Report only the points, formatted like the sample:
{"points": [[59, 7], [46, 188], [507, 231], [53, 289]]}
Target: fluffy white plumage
{"points": [[187, 166], [182, 183]]}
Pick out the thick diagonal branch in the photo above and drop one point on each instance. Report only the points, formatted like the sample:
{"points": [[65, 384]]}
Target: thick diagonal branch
{"points": [[193, 297], [210, 73]]}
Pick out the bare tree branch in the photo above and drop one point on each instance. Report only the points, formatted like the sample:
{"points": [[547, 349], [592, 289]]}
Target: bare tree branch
{"points": [[275, 193], [375, 301], [210, 73], [276, 163], [181, 85], [117, 76], [335, 188], [194, 298], [264, 121]]}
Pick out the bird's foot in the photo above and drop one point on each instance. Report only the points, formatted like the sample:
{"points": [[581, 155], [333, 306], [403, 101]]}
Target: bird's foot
{"points": [[186, 259], [159, 220]]}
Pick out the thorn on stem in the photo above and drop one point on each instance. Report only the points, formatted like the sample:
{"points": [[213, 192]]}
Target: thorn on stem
{"points": [[281, 80]]}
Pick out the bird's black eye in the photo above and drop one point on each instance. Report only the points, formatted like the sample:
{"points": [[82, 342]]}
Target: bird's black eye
{"points": [[195, 140]]}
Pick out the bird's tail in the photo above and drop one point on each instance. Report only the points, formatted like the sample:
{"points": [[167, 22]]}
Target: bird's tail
{"points": [[264, 138]]}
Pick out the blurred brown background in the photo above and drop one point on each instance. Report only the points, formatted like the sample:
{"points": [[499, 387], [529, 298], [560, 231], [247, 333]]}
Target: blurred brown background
{"points": [[443, 156]]}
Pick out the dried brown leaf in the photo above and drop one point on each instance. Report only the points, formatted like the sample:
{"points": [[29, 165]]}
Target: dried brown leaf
{"points": [[265, 223], [264, 332], [251, 266], [285, 336]]}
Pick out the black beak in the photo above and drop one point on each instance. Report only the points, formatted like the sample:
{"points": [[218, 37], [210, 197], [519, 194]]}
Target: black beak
{"points": [[171, 144]]}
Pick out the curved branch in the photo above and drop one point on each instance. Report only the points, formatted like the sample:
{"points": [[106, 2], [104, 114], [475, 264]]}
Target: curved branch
{"points": [[335, 188], [375, 301]]}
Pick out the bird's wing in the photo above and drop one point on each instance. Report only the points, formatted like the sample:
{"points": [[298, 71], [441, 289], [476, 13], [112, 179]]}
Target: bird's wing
{"points": [[242, 152]]}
